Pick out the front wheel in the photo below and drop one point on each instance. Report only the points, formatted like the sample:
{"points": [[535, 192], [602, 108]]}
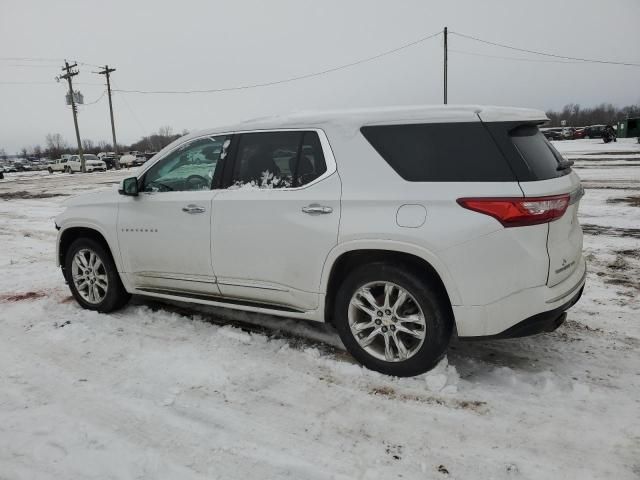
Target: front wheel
{"points": [[392, 319], [93, 278]]}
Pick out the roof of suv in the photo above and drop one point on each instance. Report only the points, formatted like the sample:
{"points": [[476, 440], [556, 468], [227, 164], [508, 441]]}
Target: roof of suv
{"points": [[386, 115]]}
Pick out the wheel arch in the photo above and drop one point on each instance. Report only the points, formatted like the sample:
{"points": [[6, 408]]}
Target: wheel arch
{"points": [[346, 257], [67, 236]]}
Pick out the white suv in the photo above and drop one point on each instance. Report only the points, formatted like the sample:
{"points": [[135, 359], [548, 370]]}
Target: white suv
{"points": [[91, 164], [396, 225]]}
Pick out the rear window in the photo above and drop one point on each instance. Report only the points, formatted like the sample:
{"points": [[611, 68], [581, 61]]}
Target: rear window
{"points": [[439, 152], [540, 156]]}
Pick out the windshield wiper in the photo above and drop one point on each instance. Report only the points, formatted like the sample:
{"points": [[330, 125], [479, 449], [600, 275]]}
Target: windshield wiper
{"points": [[564, 164]]}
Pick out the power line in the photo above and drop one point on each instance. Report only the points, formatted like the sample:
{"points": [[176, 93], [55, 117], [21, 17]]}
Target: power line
{"points": [[21, 65], [133, 115], [290, 79], [95, 101], [31, 59], [2, 82], [522, 59], [546, 54], [26, 83]]}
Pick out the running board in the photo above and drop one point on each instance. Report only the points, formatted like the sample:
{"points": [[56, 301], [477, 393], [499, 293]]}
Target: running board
{"points": [[219, 299]]}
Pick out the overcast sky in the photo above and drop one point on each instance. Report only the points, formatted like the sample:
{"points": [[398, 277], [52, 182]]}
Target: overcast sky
{"points": [[158, 45]]}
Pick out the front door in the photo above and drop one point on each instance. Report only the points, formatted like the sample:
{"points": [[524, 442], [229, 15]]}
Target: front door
{"points": [[274, 227], [164, 233]]}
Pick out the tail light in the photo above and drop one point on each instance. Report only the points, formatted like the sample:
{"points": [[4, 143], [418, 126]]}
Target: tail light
{"points": [[519, 212]]}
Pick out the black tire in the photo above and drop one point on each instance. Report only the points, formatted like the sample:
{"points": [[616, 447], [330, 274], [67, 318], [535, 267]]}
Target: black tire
{"points": [[427, 294], [50, 170], [116, 296]]}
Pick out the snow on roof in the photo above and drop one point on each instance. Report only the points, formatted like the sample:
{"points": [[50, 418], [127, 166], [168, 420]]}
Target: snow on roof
{"points": [[357, 118]]}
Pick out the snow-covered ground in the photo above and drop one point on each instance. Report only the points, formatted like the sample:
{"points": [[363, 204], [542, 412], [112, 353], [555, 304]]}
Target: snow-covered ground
{"points": [[169, 391]]}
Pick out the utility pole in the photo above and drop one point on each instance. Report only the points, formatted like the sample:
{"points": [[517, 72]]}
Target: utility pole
{"points": [[445, 64], [70, 73], [106, 71]]}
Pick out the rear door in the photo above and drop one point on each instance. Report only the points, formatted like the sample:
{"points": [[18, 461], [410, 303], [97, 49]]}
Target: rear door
{"points": [[274, 227], [552, 175]]}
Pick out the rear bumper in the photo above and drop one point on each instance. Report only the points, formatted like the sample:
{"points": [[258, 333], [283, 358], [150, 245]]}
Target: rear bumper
{"points": [[539, 323], [529, 311]]}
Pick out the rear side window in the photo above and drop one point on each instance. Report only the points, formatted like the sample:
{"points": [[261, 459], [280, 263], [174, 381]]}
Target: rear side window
{"points": [[440, 152], [540, 156], [278, 159]]}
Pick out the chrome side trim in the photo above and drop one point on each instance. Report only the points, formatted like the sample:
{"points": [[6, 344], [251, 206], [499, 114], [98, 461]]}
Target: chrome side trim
{"points": [[261, 286], [231, 302], [184, 278], [571, 290]]}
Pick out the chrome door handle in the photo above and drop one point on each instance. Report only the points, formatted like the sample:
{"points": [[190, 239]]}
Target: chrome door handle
{"points": [[193, 209], [316, 209]]}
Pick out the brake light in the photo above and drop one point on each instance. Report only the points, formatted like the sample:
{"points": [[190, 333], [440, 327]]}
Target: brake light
{"points": [[519, 212]]}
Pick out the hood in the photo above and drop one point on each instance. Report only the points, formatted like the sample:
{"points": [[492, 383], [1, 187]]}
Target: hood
{"points": [[110, 195]]}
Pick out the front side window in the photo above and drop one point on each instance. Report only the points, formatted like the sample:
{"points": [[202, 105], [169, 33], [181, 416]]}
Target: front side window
{"points": [[191, 166], [278, 159]]}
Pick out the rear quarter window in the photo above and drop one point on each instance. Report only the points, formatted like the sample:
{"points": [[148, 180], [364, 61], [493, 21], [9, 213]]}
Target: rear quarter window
{"points": [[538, 153], [438, 152], [531, 156]]}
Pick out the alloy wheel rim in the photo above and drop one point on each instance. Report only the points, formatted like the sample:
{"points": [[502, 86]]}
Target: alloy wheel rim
{"points": [[89, 276], [387, 321]]}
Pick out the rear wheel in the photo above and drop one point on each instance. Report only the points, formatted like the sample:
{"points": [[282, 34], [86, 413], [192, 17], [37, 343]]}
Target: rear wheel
{"points": [[392, 319], [93, 278], [50, 170]]}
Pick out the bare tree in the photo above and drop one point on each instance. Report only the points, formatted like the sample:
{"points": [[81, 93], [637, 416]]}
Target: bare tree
{"points": [[56, 145], [165, 131], [37, 151], [603, 114], [23, 152], [88, 146], [3, 154]]}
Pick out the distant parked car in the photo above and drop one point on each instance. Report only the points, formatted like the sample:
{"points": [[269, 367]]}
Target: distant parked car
{"points": [[91, 162], [568, 133], [132, 159], [22, 167], [59, 165], [594, 131], [579, 133], [552, 133], [110, 161]]}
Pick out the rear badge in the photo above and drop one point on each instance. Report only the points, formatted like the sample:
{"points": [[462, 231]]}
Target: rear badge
{"points": [[565, 265]]}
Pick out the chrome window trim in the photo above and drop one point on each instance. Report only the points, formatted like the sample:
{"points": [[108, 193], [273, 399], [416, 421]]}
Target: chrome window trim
{"points": [[329, 158]]}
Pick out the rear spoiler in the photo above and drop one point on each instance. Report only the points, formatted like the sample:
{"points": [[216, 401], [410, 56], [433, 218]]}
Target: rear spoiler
{"points": [[520, 115]]}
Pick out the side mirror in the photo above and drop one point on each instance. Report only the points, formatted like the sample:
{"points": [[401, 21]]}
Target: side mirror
{"points": [[129, 187]]}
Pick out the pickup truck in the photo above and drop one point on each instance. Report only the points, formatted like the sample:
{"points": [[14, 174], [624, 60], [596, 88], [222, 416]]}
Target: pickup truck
{"points": [[58, 165], [73, 164]]}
